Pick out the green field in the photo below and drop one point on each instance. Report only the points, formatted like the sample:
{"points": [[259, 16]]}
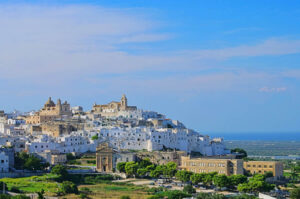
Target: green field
{"points": [[99, 190], [33, 184], [266, 148]]}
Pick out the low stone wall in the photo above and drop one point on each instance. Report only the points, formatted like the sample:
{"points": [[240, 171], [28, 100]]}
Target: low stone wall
{"points": [[18, 174]]}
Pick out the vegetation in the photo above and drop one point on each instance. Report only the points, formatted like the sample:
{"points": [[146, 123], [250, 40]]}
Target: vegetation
{"points": [[221, 181], [295, 193], [266, 148], [95, 137], [256, 184], [2, 196], [69, 187], [33, 184], [60, 171], [29, 162], [121, 167], [189, 189], [125, 197], [183, 175], [240, 151], [131, 168], [170, 194], [221, 196]]}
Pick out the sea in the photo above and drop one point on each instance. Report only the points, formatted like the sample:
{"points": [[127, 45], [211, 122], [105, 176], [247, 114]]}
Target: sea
{"points": [[258, 136]]}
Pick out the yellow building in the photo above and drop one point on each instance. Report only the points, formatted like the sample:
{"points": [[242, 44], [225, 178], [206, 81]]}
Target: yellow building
{"points": [[113, 108], [50, 112], [207, 165], [262, 167], [58, 158]]}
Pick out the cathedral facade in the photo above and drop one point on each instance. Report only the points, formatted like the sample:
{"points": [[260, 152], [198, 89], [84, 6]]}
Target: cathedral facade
{"points": [[50, 112], [113, 109]]}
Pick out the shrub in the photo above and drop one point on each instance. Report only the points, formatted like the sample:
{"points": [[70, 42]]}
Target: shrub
{"points": [[15, 190], [295, 193], [125, 197], [3, 196], [20, 197], [85, 190], [83, 196], [189, 189], [61, 171], [69, 187]]}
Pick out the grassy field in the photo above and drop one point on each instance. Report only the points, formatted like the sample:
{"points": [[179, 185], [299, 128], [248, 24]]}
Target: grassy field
{"points": [[101, 190], [33, 184], [266, 148], [116, 191]]}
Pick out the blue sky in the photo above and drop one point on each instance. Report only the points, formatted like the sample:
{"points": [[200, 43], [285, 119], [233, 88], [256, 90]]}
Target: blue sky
{"points": [[218, 66]]}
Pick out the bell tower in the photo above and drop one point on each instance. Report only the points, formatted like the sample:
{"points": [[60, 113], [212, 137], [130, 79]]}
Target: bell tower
{"points": [[58, 105], [123, 102]]}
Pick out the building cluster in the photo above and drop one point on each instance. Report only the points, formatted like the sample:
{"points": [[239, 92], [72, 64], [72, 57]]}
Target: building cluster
{"points": [[113, 130], [107, 159], [57, 129]]}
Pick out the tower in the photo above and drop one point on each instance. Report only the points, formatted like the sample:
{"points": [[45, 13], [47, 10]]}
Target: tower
{"points": [[123, 102], [58, 105]]}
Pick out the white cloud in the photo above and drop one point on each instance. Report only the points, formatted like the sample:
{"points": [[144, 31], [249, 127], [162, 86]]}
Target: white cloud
{"points": [[66, 45], [145, 38], [268, 47], [272, 90]]}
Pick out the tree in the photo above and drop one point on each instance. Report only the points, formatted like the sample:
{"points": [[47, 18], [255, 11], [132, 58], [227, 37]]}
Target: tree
{"points": [[95, 137], [41, 194], [221, 181], [170, 169], [269, 174], [142, 172], [61, 171], [295, 193], [196, 178], [70, 156], [121, 167], [256, 184], [69, 187], [30, 162], [189, 189], [131, 168], [150, 167], [240, 151], [34, 163], [183, 175], [208, 178], [145, 162], [20, 159], [235, 180], [157, 172]]}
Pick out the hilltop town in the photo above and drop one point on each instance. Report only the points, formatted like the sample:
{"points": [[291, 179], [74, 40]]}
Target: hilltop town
{"points": [[116, 141], [62, 129]]}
